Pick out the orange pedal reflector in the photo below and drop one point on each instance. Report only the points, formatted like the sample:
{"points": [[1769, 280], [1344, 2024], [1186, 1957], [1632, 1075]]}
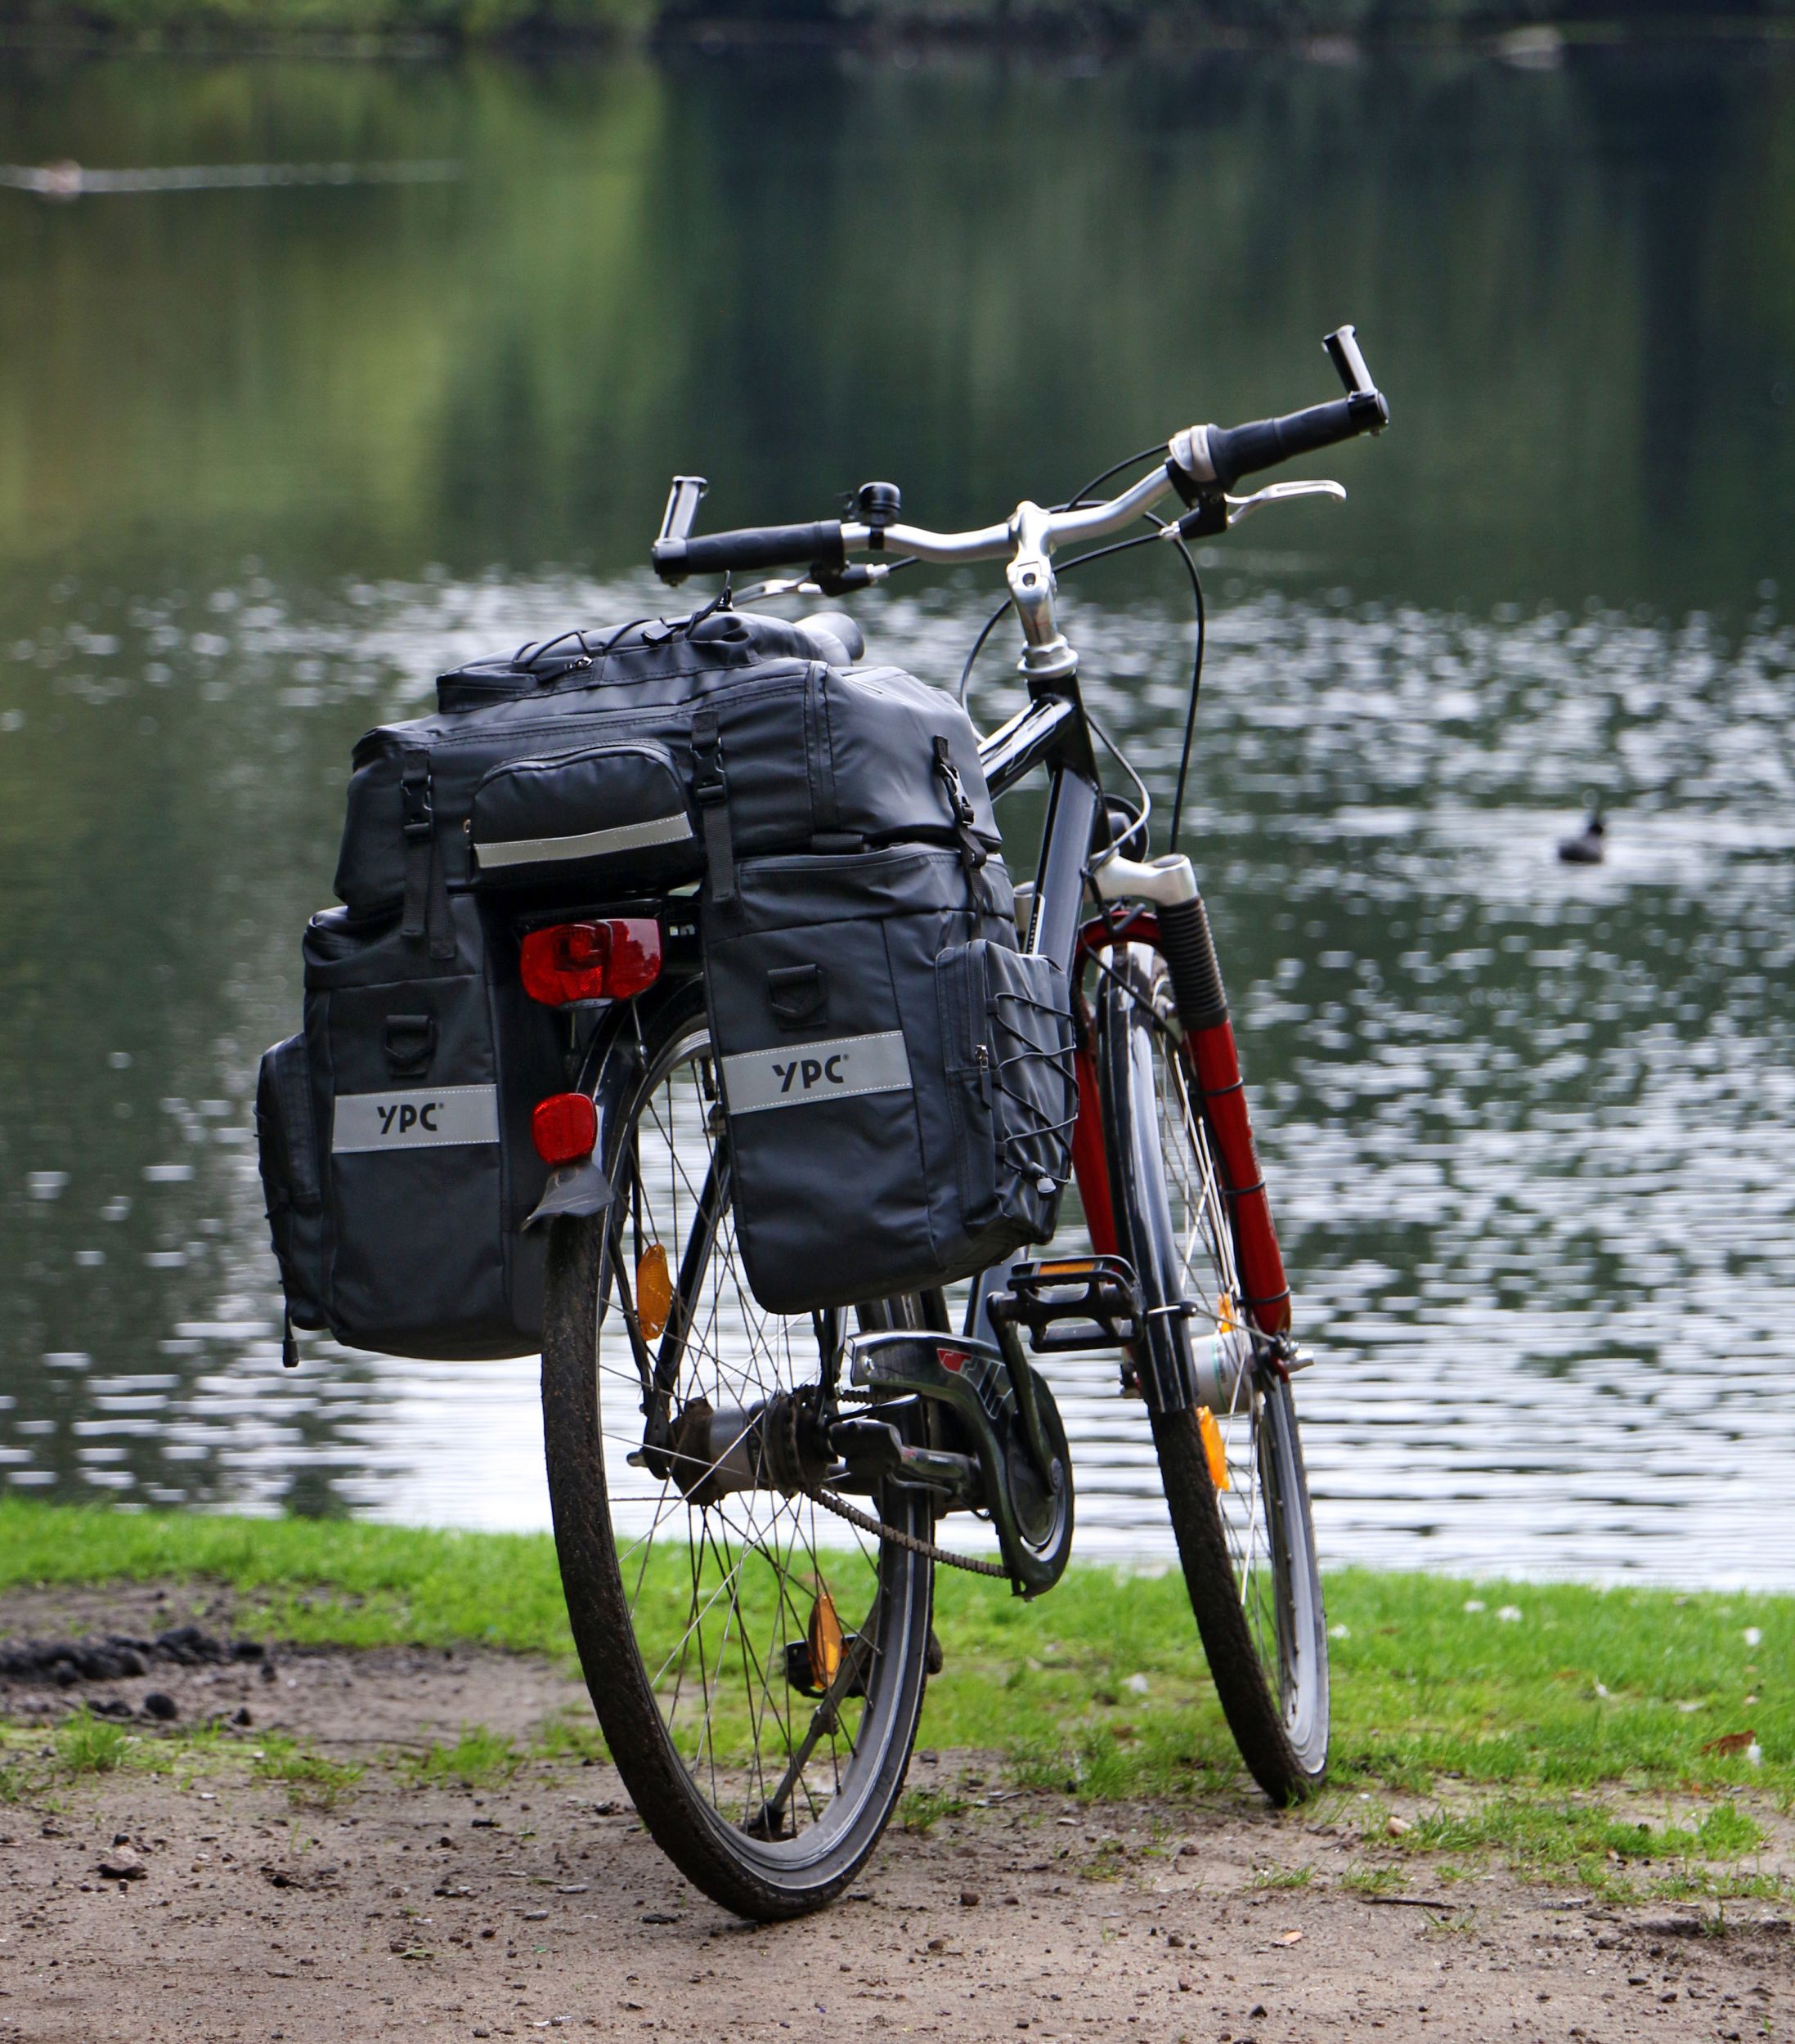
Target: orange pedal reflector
{"points": [[825, 1642], [1213, 1448], [653, 1292], [1068, 1266]]}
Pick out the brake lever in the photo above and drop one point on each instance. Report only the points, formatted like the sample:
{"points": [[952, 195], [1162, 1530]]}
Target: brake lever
{"points": [[1239, 508], [1216, 512], [861, 574]]}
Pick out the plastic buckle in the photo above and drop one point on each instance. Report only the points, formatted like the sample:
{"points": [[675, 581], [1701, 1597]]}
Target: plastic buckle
{"points": [[419, 813]]}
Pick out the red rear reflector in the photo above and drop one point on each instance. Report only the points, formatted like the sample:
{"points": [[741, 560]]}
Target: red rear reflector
{"points": [[606, 961], [564, 1127]]}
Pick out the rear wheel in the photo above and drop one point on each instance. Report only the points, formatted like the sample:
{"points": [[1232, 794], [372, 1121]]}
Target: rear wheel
{"points": [[1247, 1546], [757, 1665]]}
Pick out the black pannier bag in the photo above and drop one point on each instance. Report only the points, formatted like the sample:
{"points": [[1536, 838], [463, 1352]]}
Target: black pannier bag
{"points": [[395, 1141], [567, 772], [584, 771], [898, 1076]]}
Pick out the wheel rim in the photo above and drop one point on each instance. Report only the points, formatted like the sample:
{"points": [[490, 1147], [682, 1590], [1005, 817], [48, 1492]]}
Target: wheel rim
{"points": [[719, 1590], [1263, 1509]]}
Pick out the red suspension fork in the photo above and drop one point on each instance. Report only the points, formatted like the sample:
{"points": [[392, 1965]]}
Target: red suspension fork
{"points": [[1215, 1064], [1181, 933], [1090, 1164]]}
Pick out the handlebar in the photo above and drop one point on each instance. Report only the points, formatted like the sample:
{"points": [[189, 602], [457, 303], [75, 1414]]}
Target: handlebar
{"points": [[1201, 463], [822, 544], [1222, 455]]}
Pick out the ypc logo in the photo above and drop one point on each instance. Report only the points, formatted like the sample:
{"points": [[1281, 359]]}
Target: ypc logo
{"points": [[842, 1068], [403, 1116], [427, 1118], [811, 1070]]}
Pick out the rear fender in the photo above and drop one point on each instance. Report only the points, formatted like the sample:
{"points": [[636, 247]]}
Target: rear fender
{"points": [[609, 1073]]}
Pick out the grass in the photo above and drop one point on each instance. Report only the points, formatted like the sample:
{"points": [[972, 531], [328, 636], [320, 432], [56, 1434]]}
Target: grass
{"points": [[478, 1759], [87, 1745], [1534, 1714], [84, 1745], [922, 1808], [308, 1580], [311, 1782]]}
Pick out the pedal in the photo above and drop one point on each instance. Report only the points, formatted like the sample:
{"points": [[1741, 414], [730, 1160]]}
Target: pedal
{"points": [[1071, 1302], [803, 1674]]}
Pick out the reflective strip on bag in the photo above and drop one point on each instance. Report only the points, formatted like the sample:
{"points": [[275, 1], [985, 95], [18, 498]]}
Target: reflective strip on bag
{"points": [[427, 1117], [837, 1070], [621, 837]]}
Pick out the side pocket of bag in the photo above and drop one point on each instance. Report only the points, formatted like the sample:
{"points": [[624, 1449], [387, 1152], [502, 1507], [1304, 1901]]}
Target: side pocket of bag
{"points": [[1007, 1027], [960, 988], [292, 1183]]}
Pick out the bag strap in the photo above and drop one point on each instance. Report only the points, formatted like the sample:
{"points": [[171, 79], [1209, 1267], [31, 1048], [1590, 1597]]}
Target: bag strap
{"points": [[426, 885], [972, 853], [711, 787]]}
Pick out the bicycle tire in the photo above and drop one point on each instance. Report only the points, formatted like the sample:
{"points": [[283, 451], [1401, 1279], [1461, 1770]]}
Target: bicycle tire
{"points": [[1261, 1619], [691, 1800]]}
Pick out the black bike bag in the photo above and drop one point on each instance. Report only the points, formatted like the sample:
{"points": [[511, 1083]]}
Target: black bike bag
{"points": [[898, 1076], [395, 1129], [565, 772], [395, 1140]]}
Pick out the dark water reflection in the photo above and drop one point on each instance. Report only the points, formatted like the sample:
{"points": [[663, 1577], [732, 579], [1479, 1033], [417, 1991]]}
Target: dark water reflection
{"points": [[268, 458]]}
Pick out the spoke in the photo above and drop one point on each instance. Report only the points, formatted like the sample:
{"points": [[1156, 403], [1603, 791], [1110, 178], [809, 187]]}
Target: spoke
{"points": [[645, 1541], [748, 1553]]}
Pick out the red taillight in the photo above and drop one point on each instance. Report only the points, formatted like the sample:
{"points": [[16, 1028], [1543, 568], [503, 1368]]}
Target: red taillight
{"points": [[606, 961], [564, 1127]]}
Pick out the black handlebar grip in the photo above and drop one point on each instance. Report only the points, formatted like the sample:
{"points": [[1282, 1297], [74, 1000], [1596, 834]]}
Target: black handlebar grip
{"points": [[818, 545], [1235, 451]]}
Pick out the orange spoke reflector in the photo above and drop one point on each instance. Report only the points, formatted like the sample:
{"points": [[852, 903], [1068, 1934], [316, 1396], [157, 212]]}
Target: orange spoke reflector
{"points": [[1213, 1448], [825, 1642], [653, 1292], [1226, 1313]]}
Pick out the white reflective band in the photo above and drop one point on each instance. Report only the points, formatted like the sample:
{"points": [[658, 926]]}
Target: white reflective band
{"points": [[426, 1119], [621, 837], [835, 1070]]}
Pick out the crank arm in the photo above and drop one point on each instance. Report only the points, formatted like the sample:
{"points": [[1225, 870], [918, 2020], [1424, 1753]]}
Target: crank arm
{"points": [[1047, 1464], [972, 1378]]}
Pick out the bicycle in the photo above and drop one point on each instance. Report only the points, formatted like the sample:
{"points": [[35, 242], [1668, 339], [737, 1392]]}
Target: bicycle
{"points": [[759, 1687]]}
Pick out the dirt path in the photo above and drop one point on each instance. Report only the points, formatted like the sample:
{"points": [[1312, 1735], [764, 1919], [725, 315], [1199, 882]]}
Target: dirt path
{"points": [[419, 1911]]}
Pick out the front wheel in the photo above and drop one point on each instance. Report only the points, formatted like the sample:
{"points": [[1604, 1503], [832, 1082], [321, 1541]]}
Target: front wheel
{"points": [[1239, 1499]]}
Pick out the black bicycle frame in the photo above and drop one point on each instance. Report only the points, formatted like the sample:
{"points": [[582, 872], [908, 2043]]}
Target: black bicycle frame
{"points": [[1052, 732]]}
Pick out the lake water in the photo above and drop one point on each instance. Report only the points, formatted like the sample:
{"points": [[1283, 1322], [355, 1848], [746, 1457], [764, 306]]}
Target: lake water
{"points": [[271, 455]]}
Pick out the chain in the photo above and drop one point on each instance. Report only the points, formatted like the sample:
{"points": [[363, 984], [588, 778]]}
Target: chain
{"points": [[927, 1549]]}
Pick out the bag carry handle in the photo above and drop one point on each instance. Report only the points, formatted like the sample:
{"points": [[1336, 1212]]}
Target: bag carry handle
{"points": [[799, 994], [411, 1042]]}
